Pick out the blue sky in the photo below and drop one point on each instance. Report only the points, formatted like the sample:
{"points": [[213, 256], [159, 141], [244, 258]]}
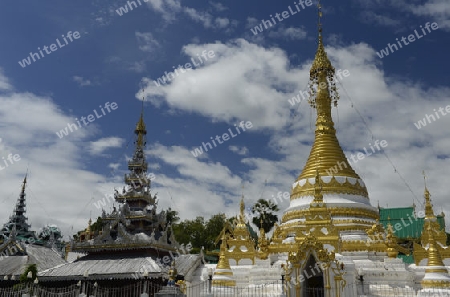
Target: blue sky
{"points": [[249, 78]]}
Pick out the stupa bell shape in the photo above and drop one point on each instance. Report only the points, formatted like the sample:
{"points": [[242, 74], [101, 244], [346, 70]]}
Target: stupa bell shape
{"points": [[344, 192]]}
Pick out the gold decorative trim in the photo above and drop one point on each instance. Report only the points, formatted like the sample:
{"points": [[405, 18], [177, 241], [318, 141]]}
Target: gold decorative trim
{"points": [[333, 187], [334, 211]]}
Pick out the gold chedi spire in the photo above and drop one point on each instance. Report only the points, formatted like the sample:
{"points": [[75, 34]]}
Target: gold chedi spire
{"points": [[436, 274], [223, 275], [429, 213], [326, 147], [327, 183], [433, 235], [431, 222], [241, 246]]}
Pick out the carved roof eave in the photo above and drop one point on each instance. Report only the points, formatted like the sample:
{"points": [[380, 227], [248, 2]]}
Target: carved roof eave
{"points": [[86, 247]]}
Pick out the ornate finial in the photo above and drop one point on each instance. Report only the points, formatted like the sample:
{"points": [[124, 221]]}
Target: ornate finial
{"points": [[429, 214], [425, 179], [319, 9], [24, 183], [322, 73], [322, 95], [242, 208], [88, 229], [140, 130]]}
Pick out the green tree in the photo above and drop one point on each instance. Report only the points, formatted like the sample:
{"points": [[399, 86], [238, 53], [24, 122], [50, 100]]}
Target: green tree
{"points": [[191, 231], [264, 210], [213, 228], [24, 276], [172, 216], [98, 225]]}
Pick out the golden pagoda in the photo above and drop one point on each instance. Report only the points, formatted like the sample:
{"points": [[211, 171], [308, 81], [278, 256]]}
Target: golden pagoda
{"points": [[431, 228], [223, 275], [241, 246], [436, 274], [328, 200]]}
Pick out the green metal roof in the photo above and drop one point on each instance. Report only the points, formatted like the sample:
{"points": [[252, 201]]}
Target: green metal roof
{"points": [[406, 259], [405, 222]]}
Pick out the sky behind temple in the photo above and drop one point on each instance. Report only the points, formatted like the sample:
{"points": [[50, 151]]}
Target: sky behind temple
{"points": [[100, 52]]}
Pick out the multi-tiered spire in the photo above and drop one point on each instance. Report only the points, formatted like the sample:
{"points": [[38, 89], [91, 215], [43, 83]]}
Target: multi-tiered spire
{"points": [[436, 274], [136, 224], [431, 222], [18, 220], [241, 245], [341, 188], [431, 229]]}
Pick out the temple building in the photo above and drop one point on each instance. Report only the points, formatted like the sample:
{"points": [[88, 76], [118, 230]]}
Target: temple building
{"points": [[20, 248], [135, 247], [330, 241]]}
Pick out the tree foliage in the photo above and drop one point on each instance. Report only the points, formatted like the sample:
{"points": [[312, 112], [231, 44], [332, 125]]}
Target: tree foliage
{"points": [[264, 211], [200, 232], [24, 276], [172, 216]]}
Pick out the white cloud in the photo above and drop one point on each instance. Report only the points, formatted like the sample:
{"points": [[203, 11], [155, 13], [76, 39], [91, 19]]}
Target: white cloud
{"points": [[222, 22], [439, 10], [81, 81], [371, 17], [257, 87], [258, 83], [240, 150], [167, 8], [59, 187], [4, 82], [99, 146], [290, 33], [218, 6], [138, 66], [147, 43]]}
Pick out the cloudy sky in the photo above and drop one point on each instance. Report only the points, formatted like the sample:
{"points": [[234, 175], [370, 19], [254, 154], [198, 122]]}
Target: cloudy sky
{"points": [[61, 61]]}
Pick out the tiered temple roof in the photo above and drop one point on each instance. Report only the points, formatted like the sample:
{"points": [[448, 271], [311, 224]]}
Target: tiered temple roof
{"points": [[18, 220], [136, 224], [135, 237]]}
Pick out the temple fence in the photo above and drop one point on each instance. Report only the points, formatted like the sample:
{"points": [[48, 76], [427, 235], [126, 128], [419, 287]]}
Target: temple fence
{"points": [[273, 289]]}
